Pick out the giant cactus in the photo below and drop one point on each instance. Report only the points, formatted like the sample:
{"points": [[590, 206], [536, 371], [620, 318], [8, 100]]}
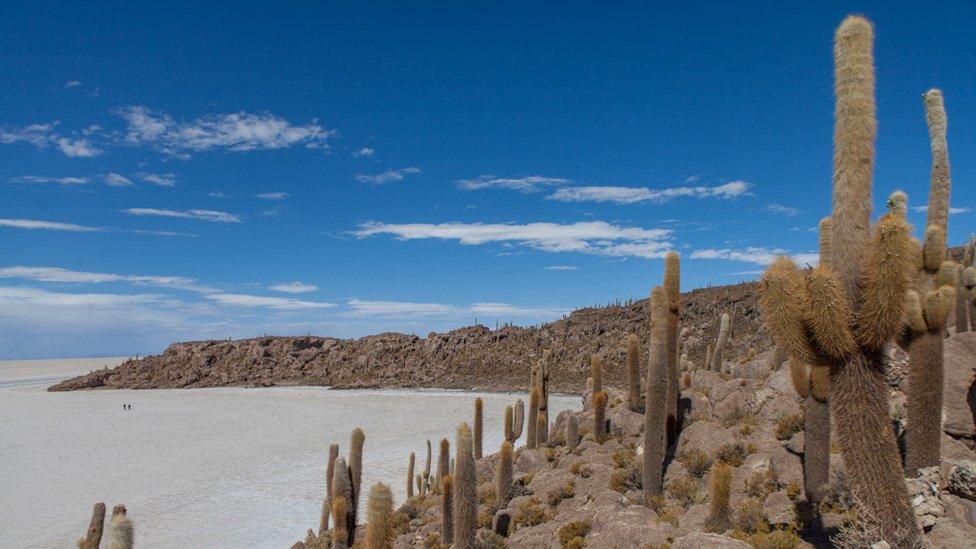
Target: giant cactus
{"points": [[813, 317], [672, 295], [327, 502], [447, 510], [465, 492], [356, 475], [503, 474], [633, 373], [531, 437], [478, 426], [655, 406]]}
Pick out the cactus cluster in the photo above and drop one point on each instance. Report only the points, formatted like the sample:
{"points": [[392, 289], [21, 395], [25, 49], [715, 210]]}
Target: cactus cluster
{"points": [[120, 533], [343, 483]]}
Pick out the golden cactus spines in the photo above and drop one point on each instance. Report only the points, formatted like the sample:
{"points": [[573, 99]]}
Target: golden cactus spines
{"points": [[518, 420], [447, 510], [800, 376], [780, 298], [531, 436], [723, 335], [938, 305], [719, 488], [596, 373], [465, 492], [933, 248], [327, 501], [599, 417], [947, 274], [508, 422], [655, 406], [898, 203], [828, 314], [914, 317], [379, 516], [935, 117], [633, 372], [820, 382], [887, 276], [340, 535], [411, 462], [503, 473], [356, 475]]}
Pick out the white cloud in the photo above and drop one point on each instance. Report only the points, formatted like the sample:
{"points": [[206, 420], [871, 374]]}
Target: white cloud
{"points": [[387, 176], [203, 215], [528, 184], [217, 194], [359, 307], [596, 237], [282, 303], [72, 84], [158, 179], [76, 147], [113, 179], [45, 179], [364, 152], [952, 211], [20, 296], [272, 196], [234, 132], [561, 268], [57, 274], [47, 225], [294, 288], [633, 195], [757, 255], [788, 211], [162, 233]]}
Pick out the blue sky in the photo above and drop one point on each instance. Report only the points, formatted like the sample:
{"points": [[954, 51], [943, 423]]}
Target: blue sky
{"points": [[182, 171]]}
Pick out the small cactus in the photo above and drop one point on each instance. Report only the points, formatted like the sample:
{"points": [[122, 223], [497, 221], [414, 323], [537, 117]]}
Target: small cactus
{"points": [[465, 492], [508, 423], [542, 429], [410, 466], [93, 537], [379, 516], [478, 419], [633, 373], [519, 420], [327, 502], [121, 534], [503, 475], [723, 335], [572, 432], [425, 485], [599, 417]]}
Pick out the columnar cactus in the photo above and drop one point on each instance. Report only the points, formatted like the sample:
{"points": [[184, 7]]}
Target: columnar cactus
{"points": [[356, 475], [465, 492], [503, 474], [633, 373], [379, 516], [478, 425], [519, 420], [723, 336], [708, 356], [93, 537], [600, 417], [340, 535], [655, 405], [672, 295], [936, 286], [542, 429], [812, 317], [121, 534], [507, 423], [962, 311], [410, 466], [443, 462], [532, 435], [327, 502], [719, 487], [447, 510], [572, 432], [342, 489], [545, 367], [596, 373], [425, 485]]}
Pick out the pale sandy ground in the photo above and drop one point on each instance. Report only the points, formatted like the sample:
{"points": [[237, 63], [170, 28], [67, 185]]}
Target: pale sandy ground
{"points": [[224, 467]]}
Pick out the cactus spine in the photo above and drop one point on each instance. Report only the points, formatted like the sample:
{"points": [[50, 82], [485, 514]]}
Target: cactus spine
{"points": [[327, 502], [503, 476], [342, 489], [596, 373], [925, 349], [519, 420], [478, 419], [572, 432], [121, 534], [655, 406], [379, 516], [531, 436], [93, 537], [633, 373], [465, 492], [443, 462], [410, 466], [600, 417], [719, 487], [447, 510], [340, 535], [859, 394], [723, 335], [672, 296]]}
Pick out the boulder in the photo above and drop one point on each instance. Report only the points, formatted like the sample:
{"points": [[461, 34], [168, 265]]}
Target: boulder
{"points": [[701, 540], [959, 400]]}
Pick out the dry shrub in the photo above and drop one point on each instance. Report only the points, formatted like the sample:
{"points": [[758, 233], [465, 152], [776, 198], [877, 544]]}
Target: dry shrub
{"points": [[733, 454], [571, 535], [787, 426], [684, 490], [696, 461]]}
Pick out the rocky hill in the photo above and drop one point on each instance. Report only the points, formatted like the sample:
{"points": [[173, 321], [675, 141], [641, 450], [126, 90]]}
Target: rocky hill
{"points": [[471, 357]]}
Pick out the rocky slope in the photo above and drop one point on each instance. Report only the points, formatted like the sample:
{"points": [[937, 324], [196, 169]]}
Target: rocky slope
{"points": [[472, 357]]}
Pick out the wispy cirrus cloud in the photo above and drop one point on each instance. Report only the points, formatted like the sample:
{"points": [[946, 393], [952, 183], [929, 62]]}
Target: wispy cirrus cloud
{"points": [[635, 195], [364, 152], [561, 268], [952, 210], [113, 179], [272, 196], [281, 303], [37, 224], [388, 176], [526, 184], [202, 215], [757, 255], [158, 179], [58, 274], [47, 179], [239, 131], [359, 307], [44, 135], [293, 287], [788, 211], [595, 237]]}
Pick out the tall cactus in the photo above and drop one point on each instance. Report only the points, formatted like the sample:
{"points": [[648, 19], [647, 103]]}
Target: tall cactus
{"points": [[655, 405], [447, 510], [356, 474], [503, 474], [508, 422], [672, 295], [327, 502], [465, 492], [411, 462], [340, 535], [532, 436], [869, 273], [723, 336], [93, 537], [518, 421], [545, 366], [443, 462], [633, 373], [596, 373], [962, 311], [342, 490], [478, 426], [600, 417], [379, 517], [936, 288], [425, 485]]}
